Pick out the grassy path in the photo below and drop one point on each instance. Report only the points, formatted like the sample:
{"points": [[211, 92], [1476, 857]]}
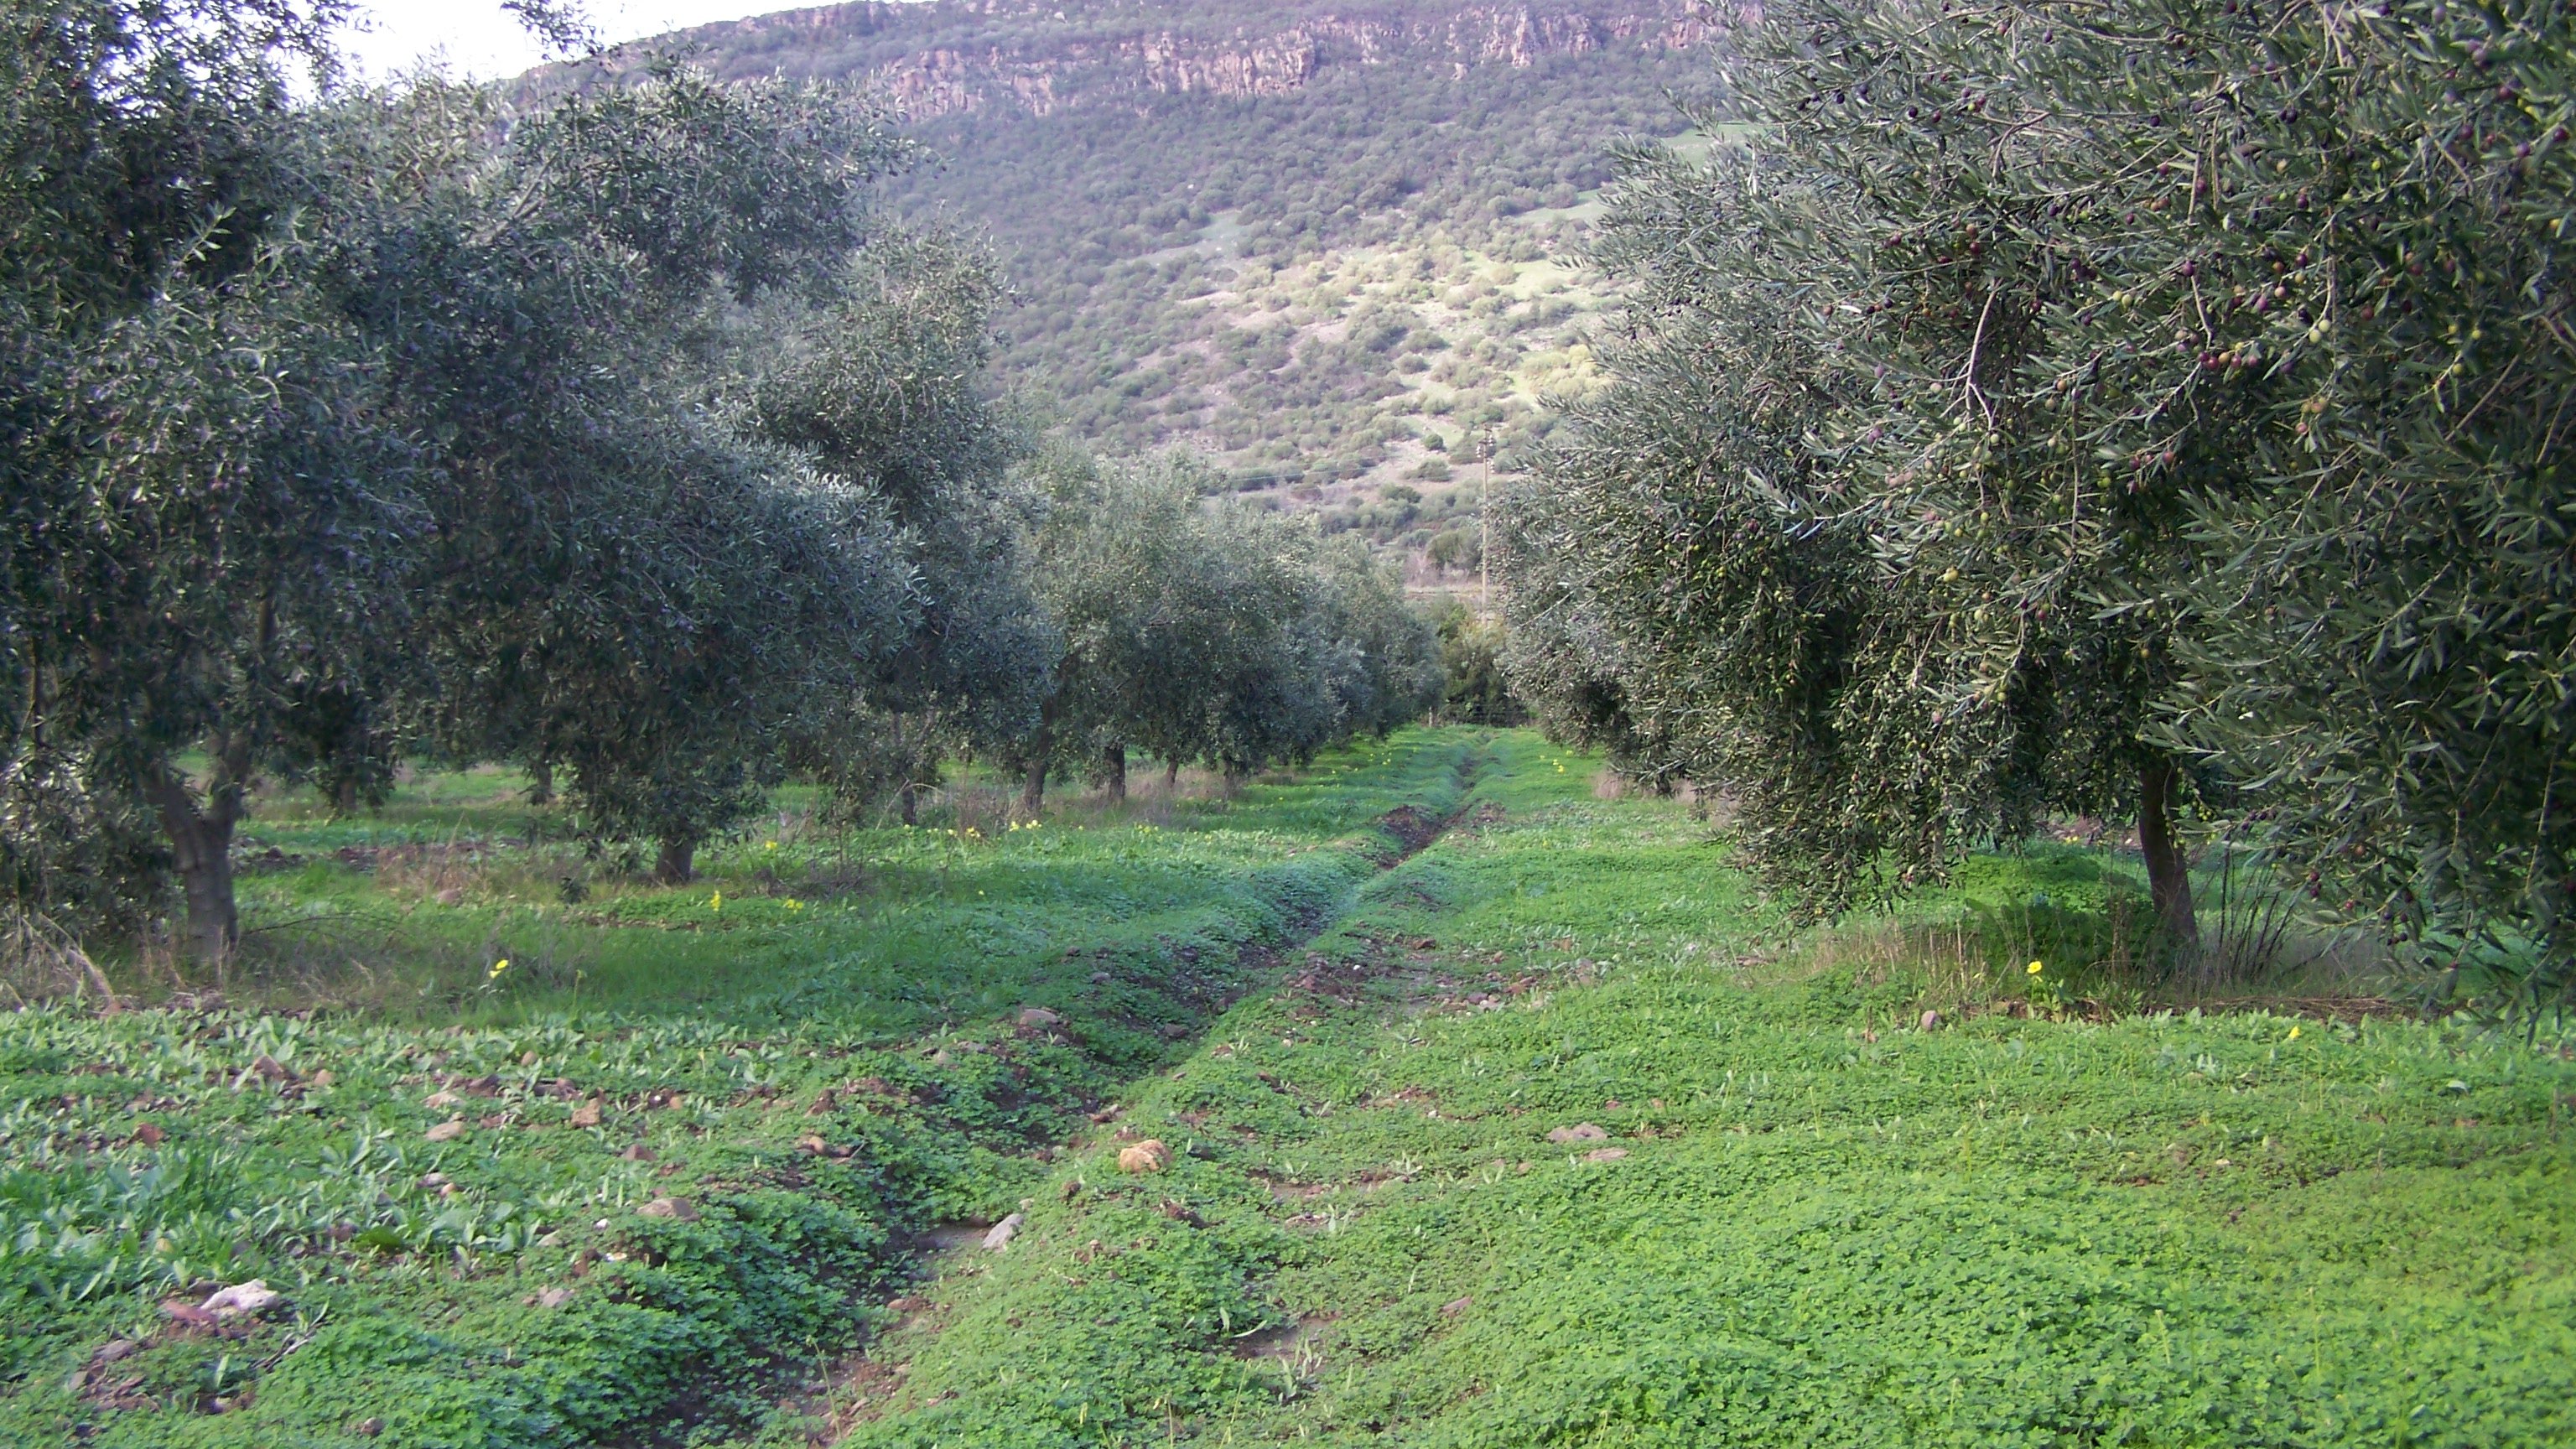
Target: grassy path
{"points": [[1535, 1149], [496, 1218]]}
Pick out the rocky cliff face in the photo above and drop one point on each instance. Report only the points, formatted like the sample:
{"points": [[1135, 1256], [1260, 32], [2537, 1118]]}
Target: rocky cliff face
{"points": [[942, 81], [943, 57]]}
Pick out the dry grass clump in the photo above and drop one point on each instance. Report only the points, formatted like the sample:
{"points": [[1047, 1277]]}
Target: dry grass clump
{"points": [[40, 961], [2108, 967]]}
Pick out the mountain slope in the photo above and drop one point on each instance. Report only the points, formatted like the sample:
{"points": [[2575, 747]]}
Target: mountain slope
{"points": [[1324, 244]]}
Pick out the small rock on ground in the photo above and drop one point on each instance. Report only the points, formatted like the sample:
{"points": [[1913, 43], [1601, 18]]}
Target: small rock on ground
{"points": [[1149, 1155]]}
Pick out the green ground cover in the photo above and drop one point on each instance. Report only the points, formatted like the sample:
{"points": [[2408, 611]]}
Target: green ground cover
{"points": [[1553, 1141], [1557, 1134], [637, 1185], [405, 911]]}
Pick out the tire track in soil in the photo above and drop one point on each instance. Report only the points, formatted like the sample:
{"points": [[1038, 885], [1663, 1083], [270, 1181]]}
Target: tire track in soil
{"points": [[858, 1386]]}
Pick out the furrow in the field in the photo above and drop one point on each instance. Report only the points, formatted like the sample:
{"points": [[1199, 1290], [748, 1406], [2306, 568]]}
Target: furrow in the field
{"points": [[859, 1386]]}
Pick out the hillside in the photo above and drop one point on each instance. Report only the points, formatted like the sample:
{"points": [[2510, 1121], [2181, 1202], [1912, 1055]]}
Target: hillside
{"points": [[1327, 245]]}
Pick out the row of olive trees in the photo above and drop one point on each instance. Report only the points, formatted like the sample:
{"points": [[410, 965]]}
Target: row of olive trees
{"points": [[609, 438], [1231, 637], [2155, 409], [612, 436]]}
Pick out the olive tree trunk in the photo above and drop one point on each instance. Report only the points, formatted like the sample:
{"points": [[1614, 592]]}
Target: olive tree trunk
{"points": [[678, 862], [1041, 756], [201, 850], [2168, 869], [1114, 763]]}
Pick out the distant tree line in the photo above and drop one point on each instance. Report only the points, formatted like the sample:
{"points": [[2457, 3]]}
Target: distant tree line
{"points": [[1232, 636], [1475, 689], [2155, 409], [616, 436]]}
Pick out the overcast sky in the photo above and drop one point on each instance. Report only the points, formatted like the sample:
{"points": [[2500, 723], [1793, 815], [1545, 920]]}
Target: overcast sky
{"points": [[480, 39]]}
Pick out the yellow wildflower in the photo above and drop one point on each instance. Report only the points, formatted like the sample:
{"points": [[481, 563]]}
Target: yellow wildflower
{"points": [[770, 845], [498, 967], [2036, 968], [794, 904], [2293, 1036], [716, 902]]}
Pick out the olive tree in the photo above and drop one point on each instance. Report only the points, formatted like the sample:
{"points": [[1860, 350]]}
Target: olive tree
{"points": [[2144, 407], [2348, 230], [1274, 691], [1473, 689], [624, 582], [395, 416], [881, 383], [206, 518], [1394, 670], [1225, 636], [2248, 321], [1123, 568]]}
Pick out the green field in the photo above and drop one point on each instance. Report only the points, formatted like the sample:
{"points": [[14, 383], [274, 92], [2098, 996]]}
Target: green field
{"points": [[1552, 1133]]}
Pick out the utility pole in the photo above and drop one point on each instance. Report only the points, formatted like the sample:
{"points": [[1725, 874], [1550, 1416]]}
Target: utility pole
{"points": [[1485, 530]]}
